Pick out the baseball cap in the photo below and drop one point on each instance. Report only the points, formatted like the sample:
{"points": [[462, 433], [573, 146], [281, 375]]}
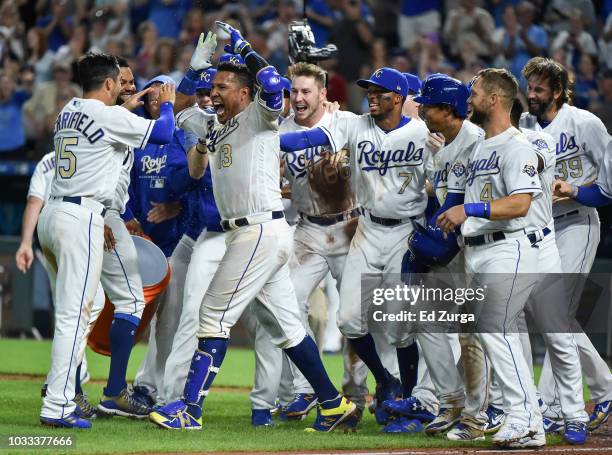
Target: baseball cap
{"points": [[161, 79], [388, 78], [206, 79], [231, 58], [414, 83]]}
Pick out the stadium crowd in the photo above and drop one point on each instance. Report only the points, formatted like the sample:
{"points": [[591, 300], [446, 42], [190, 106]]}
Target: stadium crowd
{"points": [[41, 40]]}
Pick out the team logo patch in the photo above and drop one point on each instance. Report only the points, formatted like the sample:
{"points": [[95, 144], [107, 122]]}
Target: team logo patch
{"points": [[157, 183], [529, 170], [458, 169], [540, 144]]}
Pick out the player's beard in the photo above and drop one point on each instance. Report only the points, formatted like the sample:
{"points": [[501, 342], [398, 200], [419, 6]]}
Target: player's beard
{"points": [[540, 107], [478, 116]]}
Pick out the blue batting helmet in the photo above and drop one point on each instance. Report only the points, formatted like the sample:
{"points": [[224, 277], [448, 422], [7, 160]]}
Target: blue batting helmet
{"points": [[430, 248], [232, 58], [443, 89], [161, 79], [206, 79]]}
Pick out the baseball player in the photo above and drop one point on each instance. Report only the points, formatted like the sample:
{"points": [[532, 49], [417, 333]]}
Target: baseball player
{"points": [[500, 181], [581, 140], [378, 143], [91, 140], [242, 146]]}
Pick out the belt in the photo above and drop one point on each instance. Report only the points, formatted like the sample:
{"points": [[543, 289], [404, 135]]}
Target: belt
{"points": [[92, 205], [328, 220], [236, 223], [482, 239], [573, 212], [389, 221], [533, 237]]}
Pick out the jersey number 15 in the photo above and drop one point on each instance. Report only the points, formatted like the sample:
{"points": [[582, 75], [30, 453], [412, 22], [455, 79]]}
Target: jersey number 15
{"points": [[65, 160]]}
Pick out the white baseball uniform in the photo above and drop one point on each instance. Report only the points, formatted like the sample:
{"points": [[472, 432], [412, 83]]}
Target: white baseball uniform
{"points": [[91, 142], [498, 167], [244, 156], [581, 143]]}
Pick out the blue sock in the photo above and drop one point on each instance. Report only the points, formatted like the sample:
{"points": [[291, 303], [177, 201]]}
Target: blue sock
{"points": [[122, 338], [366, 350], [77, 380], [408, 362], [204, 367], [306, 357]]}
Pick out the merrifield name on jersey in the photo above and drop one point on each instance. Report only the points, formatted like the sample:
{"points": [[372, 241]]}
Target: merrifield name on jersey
{"points": [[80, 122]]}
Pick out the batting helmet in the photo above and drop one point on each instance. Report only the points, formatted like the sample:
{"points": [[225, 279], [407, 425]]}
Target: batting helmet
{"points": [[443, 89], [414, 83], [429, 246], [206, 79], [231, 58], [161, 79]]}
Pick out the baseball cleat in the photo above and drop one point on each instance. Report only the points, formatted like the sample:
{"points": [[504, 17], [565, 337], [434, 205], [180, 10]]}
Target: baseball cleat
{"points": [[447, 417], [329, 419], [261, 418], [552, 426], [495, 418], [383, 394], [600, 415], [575, 433], [141, 394], [403, 425], [71, 421], [409, 407], [299, 408], [352, 422], [124, 405], [84, 409], [511, 432], [463, 432], [174, 416], [529, 442]]}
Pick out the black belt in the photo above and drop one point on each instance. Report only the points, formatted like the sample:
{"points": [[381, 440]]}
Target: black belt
{"points": [[573, 212], [388, 221], [328, 220], [533, 238], [77, 200], [241, 222], [482, 239]]}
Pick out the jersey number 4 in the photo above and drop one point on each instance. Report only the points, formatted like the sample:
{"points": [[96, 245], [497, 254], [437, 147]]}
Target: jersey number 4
{"points": [[65, 160], [486, 195]]}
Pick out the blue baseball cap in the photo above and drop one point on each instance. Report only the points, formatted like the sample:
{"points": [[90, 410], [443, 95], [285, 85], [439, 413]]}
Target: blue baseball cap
{"points": [[388, 78], [206, 79], [231, 58], [414, 83], [161, 79]]}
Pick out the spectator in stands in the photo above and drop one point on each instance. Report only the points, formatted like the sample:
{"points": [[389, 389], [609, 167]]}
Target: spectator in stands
{"points": [[164, 60], [602, 107], [605, 44], [469, 23], [77, 46], [418, 18], [559, 14], [575, 41], [12, 133], [192, 26], [167, 16], [321, 19], [98, 35], [57, 25], [585, 88], [147, 34], [11, 33], [39, 55]]}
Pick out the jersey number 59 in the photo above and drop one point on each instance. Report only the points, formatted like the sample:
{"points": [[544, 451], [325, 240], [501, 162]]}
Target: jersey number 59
{"points": [[65, 160]]}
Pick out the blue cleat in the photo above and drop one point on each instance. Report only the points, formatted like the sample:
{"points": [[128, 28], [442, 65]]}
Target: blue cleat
{"points": [[174, 416], [261, 418], [495, 418], [403, 425], [575, 433], [409, 407], [391, 392], [600, 415], [330, 419], [124, 405], [142, 395], [552, 426], [71, 421], [84, 409], [299, 408]]}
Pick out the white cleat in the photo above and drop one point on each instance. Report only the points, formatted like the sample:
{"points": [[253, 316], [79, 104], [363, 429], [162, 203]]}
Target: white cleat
{"points": [[511, 432], [530, 442]]}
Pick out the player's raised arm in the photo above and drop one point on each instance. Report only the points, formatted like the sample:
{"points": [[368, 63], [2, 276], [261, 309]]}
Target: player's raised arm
{"points": [[300, 140], [266, 76], [163, 128]]}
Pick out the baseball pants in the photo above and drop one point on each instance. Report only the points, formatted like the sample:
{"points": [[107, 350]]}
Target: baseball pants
{"points": [[72, 239]]}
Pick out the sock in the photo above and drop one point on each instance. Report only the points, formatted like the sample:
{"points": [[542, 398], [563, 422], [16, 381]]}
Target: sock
{"points": [[306, 357], [122, 338], [366, 350], [77, 381], [204, 367], [408, 362]]}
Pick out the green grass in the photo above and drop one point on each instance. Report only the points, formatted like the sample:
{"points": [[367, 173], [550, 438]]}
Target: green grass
{"points": [[226, 417]]}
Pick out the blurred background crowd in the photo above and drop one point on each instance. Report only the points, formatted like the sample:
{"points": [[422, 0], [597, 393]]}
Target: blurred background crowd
{"points": [[40, 41]]}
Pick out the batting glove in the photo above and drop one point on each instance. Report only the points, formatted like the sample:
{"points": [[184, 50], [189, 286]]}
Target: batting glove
{"points": [[237, 42], [201, 58]]}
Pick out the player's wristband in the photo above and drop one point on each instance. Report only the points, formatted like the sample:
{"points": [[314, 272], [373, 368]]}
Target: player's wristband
{"points": [[189, 82], [201, 148], [478, 209]]}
